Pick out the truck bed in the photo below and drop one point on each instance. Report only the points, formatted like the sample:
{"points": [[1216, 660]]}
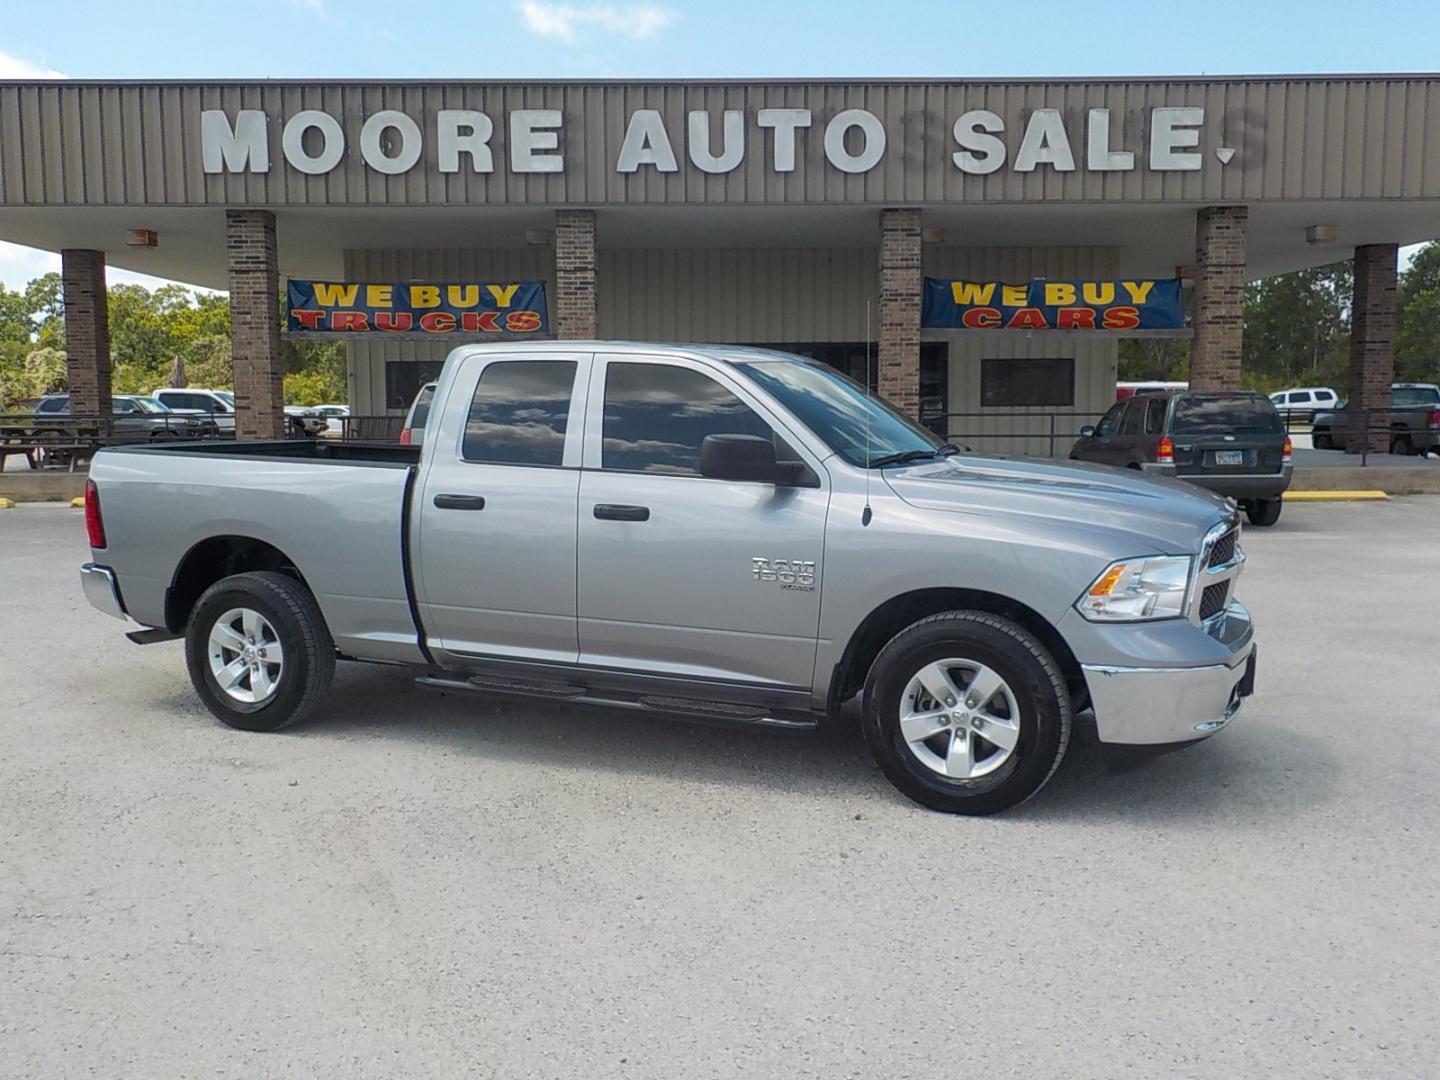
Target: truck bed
{"points": [[335, 512]]}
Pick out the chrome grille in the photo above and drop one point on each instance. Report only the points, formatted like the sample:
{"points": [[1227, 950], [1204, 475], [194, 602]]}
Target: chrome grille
{"points": [[1213, 599], [1220, 563], [1223, 550]]}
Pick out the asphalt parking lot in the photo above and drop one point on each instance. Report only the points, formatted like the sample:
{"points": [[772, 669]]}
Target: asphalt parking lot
{"points": [[421, 886]]}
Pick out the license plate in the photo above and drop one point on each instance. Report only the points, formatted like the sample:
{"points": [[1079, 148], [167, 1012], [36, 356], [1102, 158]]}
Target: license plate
{"points": [[1229, 457]]}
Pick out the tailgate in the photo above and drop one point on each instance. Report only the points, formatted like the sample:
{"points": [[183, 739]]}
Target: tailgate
{"points": [[1221, 455]]}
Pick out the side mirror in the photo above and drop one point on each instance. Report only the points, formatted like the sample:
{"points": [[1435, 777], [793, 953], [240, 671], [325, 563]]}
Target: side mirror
{"points": [[1088, 431], [739, 457]]}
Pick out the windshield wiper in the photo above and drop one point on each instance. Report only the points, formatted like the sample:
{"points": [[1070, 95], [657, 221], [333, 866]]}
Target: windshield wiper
{"points": [[904, 456]]}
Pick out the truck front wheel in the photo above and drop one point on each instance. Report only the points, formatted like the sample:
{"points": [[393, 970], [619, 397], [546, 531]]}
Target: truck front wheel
{"points": [[967, 712], [259, 653]]}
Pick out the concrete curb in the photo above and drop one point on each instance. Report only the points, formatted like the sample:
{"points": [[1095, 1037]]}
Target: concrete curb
{"points": [[1335, 496], [1409, 480], [42, 486]]}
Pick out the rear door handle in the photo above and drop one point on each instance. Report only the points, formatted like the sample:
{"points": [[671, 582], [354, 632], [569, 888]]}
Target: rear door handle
{"points": [[460, 502], [617, 512]]}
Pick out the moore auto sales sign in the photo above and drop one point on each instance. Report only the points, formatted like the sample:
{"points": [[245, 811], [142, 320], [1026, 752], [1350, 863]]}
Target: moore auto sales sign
{"points": [[978, 141]]}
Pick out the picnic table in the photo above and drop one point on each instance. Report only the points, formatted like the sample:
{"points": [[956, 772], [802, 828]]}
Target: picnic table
{"points": [[44, 440]]}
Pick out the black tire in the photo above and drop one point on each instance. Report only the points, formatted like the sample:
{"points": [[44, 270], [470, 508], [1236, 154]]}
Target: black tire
{"points": [[309, 652], [1027, 668], [1401, 445], [1322, 442], [1264, 512]]}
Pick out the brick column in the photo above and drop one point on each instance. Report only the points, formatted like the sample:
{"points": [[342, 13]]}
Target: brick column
{"points": [[1372, 347], [87, 331], [1219, 316], [899, 316], [255, 324], [575, 317]]}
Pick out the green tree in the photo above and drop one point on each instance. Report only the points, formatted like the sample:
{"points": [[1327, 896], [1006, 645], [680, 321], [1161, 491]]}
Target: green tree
{"points": [[1417, 344], [1297, 328]]}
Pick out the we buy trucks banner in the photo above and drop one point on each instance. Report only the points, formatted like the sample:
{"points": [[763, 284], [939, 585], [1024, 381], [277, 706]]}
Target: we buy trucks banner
{"points": [[1152, 304], [418, 308]]}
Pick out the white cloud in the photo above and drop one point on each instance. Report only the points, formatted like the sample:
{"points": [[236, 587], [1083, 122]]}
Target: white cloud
{"points": [[12, 67], [638, 22]]}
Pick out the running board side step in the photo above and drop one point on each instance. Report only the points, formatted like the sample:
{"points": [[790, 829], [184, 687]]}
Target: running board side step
{"points": [[665, 704]]}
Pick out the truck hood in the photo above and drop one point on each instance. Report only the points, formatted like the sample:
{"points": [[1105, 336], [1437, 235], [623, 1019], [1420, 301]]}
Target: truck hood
{"points": [[1168, 515]]}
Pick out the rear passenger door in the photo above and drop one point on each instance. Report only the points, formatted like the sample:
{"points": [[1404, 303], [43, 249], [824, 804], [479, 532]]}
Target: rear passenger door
{"points": [[686, 576], [494, 552]]}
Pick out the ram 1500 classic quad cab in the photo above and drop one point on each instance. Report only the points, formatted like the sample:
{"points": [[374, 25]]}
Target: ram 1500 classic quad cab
{"points": [[719, 532]]}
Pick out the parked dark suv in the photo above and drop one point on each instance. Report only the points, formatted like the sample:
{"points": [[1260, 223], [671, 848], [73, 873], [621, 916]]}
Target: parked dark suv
{"points": [[1231, 442]]}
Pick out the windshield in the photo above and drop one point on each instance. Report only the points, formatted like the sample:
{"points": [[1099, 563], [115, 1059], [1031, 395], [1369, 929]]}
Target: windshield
{"points": [[1225, 416], [226, 396], [148, 405], [840, 411]]}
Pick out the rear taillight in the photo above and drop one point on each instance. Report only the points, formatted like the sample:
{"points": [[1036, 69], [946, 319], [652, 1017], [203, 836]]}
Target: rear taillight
{"points": [[1288, 453], [1165, 451], [405, 436], [1435, 419], [94, 527]]}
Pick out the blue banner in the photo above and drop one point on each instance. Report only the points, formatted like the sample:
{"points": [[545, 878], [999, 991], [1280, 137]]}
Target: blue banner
{"points": [[1150, 304], [355, 307]]}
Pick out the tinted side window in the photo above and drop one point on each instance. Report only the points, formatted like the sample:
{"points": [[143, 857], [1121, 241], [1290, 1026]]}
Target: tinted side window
{"points": [[519, 412], [1299, 396], [1155, 416], [59, 404], [1110, 421], [1324, 395], [1130, 423], [656, 417]]}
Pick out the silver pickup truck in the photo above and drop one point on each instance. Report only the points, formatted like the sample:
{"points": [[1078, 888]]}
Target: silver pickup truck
{"points": [[717, 532]]}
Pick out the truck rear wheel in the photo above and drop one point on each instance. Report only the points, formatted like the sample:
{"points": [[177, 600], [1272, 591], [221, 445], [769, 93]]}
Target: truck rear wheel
{"points": [[259, 653], [967, 712], [1264, 512]]}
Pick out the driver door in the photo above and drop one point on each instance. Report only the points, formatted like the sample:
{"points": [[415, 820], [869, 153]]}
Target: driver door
{"points": [[681, 575]]}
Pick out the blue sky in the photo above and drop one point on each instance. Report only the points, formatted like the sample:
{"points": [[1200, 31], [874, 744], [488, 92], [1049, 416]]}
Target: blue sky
{"points": [[486, 39], [541, 38]]}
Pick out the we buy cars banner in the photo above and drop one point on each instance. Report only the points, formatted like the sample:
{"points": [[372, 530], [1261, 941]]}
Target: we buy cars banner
{"points": [[1151, 304], [419, 308]]}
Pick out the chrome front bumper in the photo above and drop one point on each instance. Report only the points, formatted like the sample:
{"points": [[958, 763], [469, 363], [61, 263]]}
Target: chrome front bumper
{"points": [[101, 589], [1146, 706]]}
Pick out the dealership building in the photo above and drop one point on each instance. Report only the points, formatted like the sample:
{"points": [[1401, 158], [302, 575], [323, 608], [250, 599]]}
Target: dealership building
{"points": [[980, 247]]}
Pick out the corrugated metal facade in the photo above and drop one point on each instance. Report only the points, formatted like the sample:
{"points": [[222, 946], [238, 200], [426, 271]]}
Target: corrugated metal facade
{"points": [[1095, 357], [763, 295], [73, 143]]}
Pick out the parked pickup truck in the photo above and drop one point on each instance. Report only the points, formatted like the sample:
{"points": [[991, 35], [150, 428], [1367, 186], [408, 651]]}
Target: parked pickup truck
{"points": [[1413, 419], [717, 532]]}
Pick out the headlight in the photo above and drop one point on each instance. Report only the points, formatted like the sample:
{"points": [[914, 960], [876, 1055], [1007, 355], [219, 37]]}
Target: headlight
{"points": [[1138, 589]]}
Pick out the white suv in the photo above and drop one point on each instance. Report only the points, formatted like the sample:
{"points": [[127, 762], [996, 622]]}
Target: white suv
{"points": [[1303, 402], [219, 404]]}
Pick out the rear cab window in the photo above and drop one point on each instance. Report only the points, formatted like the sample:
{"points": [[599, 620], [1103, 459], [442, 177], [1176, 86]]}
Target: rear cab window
{"points": [[519, 413], [1414, 395], [420, 411], [1239, 415]]}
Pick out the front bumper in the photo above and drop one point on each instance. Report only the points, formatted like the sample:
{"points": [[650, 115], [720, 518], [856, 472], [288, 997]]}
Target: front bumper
{"points": [[102, 590], [1146, 706], [1231, 485]]}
